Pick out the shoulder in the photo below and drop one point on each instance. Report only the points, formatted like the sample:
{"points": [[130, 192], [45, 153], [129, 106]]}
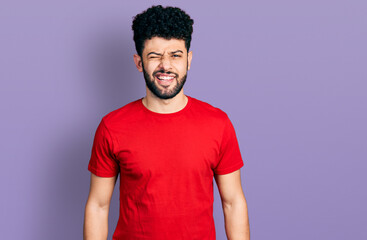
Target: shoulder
{"points": [[207, 110], [123, 114]]}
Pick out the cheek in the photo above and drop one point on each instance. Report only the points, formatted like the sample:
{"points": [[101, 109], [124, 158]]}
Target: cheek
{"points": [[182, 68], [150, 68], [179, 64]]}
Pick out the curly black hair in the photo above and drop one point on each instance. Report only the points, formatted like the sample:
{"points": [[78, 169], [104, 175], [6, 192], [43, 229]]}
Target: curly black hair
{"points": [[165, 22]]}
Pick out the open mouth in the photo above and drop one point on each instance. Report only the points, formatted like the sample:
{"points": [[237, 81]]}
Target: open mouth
{"points": [[165, 79]]}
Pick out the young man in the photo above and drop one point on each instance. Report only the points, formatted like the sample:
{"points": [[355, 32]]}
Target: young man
{"points": [[167, 147]]}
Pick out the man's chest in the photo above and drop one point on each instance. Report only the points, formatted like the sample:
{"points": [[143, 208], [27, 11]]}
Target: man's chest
{"points": [[158, 148]]}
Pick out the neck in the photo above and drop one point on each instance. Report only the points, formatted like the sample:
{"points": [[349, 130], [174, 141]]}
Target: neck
{"points": [[158, 105]]}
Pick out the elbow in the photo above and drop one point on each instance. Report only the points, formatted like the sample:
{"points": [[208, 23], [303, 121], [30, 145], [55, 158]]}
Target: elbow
{"points": [[95, 205], [238, 202]]}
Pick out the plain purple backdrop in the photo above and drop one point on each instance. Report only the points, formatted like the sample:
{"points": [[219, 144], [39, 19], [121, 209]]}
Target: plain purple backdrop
{"points": [[290, 74]]}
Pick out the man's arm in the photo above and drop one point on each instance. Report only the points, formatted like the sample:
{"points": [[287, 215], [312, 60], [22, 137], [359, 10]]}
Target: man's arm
{"points": [[97, 207], [234, 206]]}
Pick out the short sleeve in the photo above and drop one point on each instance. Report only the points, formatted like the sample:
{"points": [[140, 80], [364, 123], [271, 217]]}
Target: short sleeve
{"points": [[102, 162], [230, 158]]}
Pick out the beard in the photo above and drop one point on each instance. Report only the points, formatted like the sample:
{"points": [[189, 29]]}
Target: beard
{"points": [[164, 93]]}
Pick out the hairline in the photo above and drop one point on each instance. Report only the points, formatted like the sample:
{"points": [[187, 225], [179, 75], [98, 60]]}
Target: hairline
{"points": [[167, 38]]}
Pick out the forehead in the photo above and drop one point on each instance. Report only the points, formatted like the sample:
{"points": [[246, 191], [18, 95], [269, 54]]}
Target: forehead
{"points": [[158, 44]]}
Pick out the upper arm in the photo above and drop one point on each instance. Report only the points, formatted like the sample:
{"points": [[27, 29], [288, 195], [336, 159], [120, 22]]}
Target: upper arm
{"points": [[101, 189], [229, 187]]}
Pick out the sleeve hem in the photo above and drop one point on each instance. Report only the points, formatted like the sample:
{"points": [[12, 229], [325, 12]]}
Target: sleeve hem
{"points": [[229, 170], [101, 173]]}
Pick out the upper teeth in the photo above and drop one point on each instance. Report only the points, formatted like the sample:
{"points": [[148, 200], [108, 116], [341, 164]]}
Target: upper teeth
{"points": [[165, 78]]}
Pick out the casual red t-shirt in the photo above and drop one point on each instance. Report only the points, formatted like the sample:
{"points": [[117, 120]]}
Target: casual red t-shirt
{"points": [[166, 164]]}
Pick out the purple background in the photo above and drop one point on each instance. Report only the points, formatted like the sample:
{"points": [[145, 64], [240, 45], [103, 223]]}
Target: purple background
{"points": [[290, 74]]}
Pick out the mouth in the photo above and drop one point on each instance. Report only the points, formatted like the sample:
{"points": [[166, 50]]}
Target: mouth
{"points": [[164, 79]]}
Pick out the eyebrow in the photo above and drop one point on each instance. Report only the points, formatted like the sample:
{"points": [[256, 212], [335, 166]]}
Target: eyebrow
{"points": [[159, 54], [177, 51], [154, 53]]}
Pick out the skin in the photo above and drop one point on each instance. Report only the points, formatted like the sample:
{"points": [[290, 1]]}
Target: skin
{"points": [[166, 56], [160, 54], [97, 207], [234, 206]]}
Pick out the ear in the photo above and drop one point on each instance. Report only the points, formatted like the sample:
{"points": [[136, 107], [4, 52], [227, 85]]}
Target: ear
{"points": [[189, 57], [138, 62]]}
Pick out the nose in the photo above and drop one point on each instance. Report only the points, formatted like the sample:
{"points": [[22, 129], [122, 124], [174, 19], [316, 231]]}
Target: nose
{"points": [[165, 63]]}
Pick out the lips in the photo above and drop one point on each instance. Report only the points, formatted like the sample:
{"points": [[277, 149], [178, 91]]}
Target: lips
{"points": [[164, 79]]}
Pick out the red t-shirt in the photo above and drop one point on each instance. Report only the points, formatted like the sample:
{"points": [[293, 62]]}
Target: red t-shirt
{"points": [[166, 164]]}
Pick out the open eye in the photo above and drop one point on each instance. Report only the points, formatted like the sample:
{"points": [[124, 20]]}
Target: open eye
{"points": [[176, 55]]}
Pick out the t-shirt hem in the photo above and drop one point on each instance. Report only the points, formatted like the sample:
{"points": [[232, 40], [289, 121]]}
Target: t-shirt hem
{"points": [[229, 170], [101, 173]]}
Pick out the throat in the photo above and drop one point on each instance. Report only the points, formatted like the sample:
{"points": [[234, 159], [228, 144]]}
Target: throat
{"points": [[165, 106]]}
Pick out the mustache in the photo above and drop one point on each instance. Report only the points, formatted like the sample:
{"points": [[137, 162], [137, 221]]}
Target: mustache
{"points": [[165, 72]]}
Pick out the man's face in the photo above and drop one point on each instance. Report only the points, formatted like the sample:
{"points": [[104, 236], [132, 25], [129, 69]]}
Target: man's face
{"points": [[164, 64]]}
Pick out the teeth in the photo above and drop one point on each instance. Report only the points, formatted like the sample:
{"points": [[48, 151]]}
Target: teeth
{"points": [[165, 78]]}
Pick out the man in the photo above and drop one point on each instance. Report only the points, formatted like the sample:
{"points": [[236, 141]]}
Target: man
{"points": [[167, 147]]}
